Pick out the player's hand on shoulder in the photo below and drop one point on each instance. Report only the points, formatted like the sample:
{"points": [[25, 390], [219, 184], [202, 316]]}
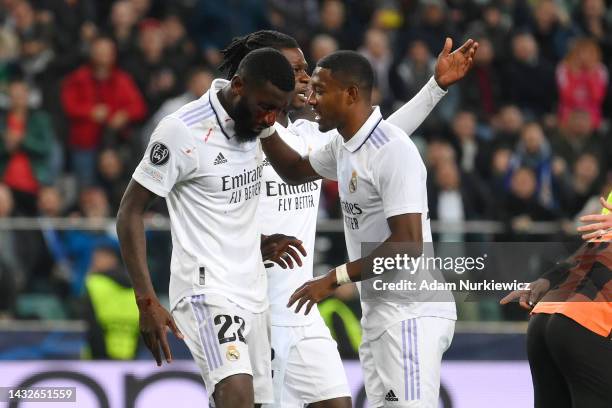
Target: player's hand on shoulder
{"points": [[529, 297], [155, 322], [313, 291], [282, 250]]}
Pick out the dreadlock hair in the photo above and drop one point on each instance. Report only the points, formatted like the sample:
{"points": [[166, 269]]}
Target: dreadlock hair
{"points": [[241, 46]]}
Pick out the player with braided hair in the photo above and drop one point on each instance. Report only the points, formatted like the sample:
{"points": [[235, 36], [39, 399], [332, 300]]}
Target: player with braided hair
{"points": [[306, 364]]}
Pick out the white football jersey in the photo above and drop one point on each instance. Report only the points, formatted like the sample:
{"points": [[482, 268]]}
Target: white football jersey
{"points": [[291, 210], [211, 183], [380, 174]]}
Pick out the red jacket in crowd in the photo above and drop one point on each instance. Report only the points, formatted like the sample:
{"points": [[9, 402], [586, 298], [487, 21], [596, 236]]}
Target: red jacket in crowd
{"points": [[81, 92], [582, 90]]}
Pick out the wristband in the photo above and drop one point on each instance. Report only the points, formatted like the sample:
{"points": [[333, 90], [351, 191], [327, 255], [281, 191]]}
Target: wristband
{"points": [[267, 132], [342, 275]]}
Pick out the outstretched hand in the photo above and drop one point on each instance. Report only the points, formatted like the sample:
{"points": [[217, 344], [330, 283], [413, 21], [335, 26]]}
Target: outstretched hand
{"points": [[529, 297], [453, 66], [155, 321], [281, 249], [599, 225]]}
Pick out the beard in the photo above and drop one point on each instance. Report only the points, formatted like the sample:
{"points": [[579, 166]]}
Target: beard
{"points": [[243, 123]]}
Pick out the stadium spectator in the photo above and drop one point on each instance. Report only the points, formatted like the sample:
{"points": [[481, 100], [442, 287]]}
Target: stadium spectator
{"points": [[122, 28], [296, 18], [463, 136], [533, 86], [178, 48], [591, 20], [322, 45], [431, 26], [150, 67], [214, 24], [494, 26], [582, 81], [454, 197], [412, 71], [80, 244], [521, 204], [25, 148], [583, 183], [333, 23], [552, 30], [481, 90], [533, 151], [112, 177], [112, 326], [377, 50], [575, 137], [47, 256], [100, 100], [13, 272]]}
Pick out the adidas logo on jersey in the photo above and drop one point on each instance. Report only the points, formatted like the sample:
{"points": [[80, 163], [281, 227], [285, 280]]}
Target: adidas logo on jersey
{"points": [[391, 396], [220, 159]]}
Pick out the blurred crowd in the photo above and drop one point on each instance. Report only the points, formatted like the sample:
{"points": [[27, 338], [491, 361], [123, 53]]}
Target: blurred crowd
{"points": [[524, 137]]}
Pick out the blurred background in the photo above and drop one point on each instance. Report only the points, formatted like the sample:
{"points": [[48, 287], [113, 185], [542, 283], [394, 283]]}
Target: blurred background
{"points": [[517, 151]]}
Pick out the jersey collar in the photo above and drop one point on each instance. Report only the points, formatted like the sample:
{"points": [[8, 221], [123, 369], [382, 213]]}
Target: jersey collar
{"points": [[226, 123], [359, 138]]}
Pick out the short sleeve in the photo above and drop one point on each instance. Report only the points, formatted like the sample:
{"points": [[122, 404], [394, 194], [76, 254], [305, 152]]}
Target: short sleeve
{"points": [[324, 160], [169, 159], [400, 176]]}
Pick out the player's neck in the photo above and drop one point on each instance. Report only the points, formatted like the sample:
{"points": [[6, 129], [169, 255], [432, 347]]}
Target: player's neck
{"points": [[283, 118], [225, 97], [358, 116]]}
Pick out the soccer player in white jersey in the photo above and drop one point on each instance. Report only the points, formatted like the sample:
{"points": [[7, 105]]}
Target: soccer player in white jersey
{"points": [[206, 161], [382, 188], [307, 367]]}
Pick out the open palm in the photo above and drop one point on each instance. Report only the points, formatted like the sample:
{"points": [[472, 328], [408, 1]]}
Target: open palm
{"points": [[452, 66]]}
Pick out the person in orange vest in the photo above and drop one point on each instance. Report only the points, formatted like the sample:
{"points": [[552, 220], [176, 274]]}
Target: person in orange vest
{"points": [[569, 337]]}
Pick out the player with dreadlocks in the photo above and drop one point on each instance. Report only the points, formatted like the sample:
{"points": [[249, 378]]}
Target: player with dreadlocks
{"points": [[306, 365]]}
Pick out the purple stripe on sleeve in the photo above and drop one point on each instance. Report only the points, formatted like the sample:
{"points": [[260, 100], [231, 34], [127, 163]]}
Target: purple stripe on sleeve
{"points": [[196, 112], [375, 141], [200, 118]]}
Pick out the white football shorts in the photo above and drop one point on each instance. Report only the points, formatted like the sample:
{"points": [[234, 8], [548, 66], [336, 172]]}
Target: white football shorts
{"points": [[226, 339], [401, 368], [306, 366]]}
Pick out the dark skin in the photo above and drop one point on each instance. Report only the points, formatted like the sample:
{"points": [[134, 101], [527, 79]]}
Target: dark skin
{"points": [[253, 106], [450, 68], [295, 169], [345, 107], [261, 103]]}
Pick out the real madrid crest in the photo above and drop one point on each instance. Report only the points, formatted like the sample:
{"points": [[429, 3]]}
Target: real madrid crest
{"points": [[232, 353], [353, 182]]}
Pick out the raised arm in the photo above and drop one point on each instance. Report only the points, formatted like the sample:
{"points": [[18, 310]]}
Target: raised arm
{"points": [[450, 68]]}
